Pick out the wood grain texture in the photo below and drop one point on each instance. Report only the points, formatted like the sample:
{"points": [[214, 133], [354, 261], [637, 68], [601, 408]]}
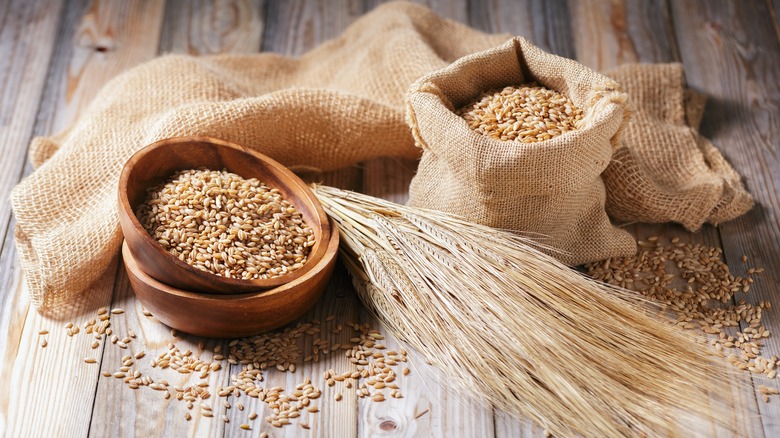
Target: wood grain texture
{"points": [[28, 32], [337, 307], [14, 305], [614, 33], [546, 23], [608, 34], [50, 390], [121, 411], [428, 407], [212, 27], [110, 37], [730, 52], [22, 79], [80, 66], [294, 27]]}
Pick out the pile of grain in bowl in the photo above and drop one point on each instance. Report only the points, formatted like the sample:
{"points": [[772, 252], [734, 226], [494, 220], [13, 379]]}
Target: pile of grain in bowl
{"points": [[221, 223], [528, 113]]}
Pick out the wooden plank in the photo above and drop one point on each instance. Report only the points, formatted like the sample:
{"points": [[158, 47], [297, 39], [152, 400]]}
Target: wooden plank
{"points": [[610, 34], [337, 307], [28, 31], [292, 28], [22, 80], [454, 10], [49, 390], [197, 29], [108, 38], [95, 43], [546, 23], [212, 27], [428, 407], [122, 411], [730, 51], [14, 305], [743, 400], [295, 27]]}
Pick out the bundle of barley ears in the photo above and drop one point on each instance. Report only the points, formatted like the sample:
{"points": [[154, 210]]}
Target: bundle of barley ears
{"points": [[508, 323]]}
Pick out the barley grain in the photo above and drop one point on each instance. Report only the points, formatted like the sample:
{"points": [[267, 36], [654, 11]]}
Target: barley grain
{"points": [[227, 225], [528, 114]]}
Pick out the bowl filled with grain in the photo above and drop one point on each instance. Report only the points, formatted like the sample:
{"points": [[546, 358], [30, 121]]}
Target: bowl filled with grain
{"points": [[231, 315], [205, 215]]}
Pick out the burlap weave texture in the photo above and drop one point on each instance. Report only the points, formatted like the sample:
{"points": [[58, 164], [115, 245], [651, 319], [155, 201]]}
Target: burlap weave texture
{"points": [[664, 171], [339, 104]]}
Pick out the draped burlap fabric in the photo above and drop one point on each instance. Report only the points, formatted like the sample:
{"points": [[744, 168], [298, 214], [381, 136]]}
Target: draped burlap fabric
{"points": [[552, 188], [664, 171], [339, 104]]}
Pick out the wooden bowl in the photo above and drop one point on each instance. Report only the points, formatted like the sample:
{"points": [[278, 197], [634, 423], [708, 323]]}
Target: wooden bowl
{"points": [[158, 161], [223, 316]]}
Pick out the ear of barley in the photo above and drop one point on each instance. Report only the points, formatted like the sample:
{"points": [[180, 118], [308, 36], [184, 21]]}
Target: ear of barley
{"points": [[509, 324]]}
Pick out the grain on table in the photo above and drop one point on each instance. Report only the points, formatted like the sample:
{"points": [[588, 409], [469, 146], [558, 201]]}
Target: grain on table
{"points": [[694, 285]]}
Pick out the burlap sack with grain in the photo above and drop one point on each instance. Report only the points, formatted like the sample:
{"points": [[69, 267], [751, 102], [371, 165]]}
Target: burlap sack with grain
{"points": [[553, 188], [641, 160]]}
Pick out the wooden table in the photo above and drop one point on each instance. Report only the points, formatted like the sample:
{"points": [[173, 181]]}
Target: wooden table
{"points": [[58, 53]]}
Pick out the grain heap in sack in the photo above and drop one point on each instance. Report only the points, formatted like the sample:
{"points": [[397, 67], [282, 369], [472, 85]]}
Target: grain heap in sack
{"points": [[346, 101]]}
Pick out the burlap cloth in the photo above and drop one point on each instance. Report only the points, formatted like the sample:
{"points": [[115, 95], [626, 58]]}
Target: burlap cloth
{"points": [[338, 104]]}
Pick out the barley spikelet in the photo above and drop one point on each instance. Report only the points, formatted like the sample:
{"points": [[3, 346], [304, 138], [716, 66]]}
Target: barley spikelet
{"points": [[508, 323]]}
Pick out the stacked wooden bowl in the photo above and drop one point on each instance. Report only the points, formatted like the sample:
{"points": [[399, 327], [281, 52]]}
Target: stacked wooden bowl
{"points": [[199, 302]]}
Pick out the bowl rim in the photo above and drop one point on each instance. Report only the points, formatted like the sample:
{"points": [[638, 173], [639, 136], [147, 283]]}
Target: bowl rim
{"points": [[260, 284], [330, 255]]}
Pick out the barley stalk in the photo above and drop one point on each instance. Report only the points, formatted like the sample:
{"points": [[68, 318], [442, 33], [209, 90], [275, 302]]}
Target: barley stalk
{"points": [[513, 326]]}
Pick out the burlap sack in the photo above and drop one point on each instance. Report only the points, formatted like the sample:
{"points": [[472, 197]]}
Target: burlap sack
{"points": [[341, 103], [664, 171], [552, 188]]}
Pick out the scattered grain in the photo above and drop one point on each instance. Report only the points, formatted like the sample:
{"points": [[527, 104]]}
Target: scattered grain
{"points": [[693, 285]]}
